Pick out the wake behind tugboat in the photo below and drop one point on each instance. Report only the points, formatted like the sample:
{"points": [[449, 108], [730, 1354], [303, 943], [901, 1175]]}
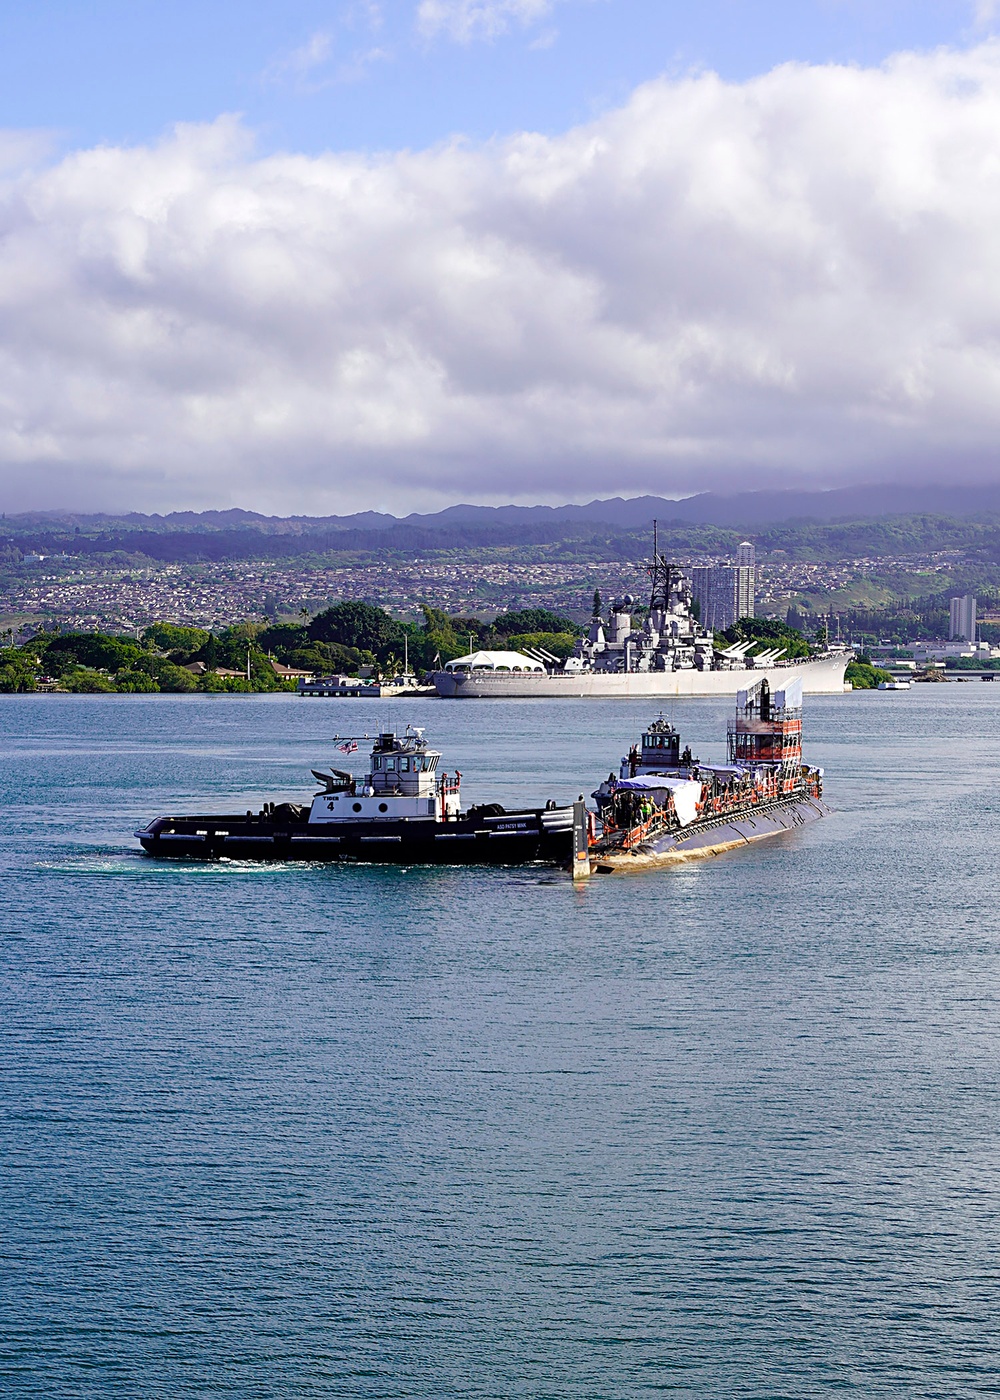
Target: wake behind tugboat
{"points": [[403, 811], [666, 805]]}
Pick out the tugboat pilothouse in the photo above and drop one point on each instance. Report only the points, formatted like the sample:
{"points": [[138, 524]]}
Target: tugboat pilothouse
{"points": [[403, 810]]}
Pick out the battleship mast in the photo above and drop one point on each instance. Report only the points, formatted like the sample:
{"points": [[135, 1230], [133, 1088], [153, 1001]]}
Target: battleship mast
{"points": [[663, 576]]}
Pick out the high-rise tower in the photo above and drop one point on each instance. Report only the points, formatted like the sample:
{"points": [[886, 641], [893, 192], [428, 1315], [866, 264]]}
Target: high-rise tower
{"points": [[962, 627], [726, 592], [746, 579]]}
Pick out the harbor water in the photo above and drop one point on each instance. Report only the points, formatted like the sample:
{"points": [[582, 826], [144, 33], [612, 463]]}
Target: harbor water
{"points": [[725, 1130]]}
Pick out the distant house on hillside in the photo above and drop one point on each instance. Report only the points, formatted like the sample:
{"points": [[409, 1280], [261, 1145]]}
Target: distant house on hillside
{"points": [[290, 673], [198, 668]]}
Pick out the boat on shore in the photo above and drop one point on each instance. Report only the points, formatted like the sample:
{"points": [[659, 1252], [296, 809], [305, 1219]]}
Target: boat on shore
{"points": [[403, 810], [665, 805], [669, 656], [363, 688]]}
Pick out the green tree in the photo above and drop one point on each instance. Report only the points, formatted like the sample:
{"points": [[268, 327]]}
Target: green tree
{"points": [[293, 646], [284, 638], [136, 682], [95, 650], [533, 620], [213, 684], [324, 658], [18, 670], [767, 632], [438, 638], [560, 644], [262, 673], [862, 676], [173, 679], [358, 625], [82, 680], [169, 636]]}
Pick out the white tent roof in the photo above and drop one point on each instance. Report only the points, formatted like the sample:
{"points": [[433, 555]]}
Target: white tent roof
{"points": [[686, 792], [494, 661]]}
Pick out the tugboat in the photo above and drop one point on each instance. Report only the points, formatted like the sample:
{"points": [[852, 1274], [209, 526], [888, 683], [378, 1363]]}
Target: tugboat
{"points": [[403, 810], [666, 805]]}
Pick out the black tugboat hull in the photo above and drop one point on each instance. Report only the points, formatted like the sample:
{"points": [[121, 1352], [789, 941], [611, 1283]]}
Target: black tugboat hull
{"points": [[513, 838]]}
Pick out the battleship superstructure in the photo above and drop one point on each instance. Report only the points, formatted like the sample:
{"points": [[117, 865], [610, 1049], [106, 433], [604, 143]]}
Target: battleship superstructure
{"points": [[669, 654], [665, 804]]}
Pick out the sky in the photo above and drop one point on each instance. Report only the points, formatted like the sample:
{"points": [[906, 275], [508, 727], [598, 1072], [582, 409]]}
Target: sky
{"points": [[324, 257]]}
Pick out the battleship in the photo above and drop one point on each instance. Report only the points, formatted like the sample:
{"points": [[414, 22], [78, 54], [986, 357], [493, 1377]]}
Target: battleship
{"points": [[666, 805], [669, 655], [404, 810]]}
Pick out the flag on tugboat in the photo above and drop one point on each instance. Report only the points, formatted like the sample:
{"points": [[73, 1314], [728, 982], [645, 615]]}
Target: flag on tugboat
{"points": [[350, 747]]}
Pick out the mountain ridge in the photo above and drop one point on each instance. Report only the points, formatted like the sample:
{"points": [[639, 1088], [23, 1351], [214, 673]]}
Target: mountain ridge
{"points": [[747, 510]]}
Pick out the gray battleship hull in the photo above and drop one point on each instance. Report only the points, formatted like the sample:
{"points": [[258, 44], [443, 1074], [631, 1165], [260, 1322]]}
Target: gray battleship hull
{"points": [[824, 676]]}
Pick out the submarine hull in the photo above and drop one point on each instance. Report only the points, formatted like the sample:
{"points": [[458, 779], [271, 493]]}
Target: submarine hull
{"points": [[710, 838]]}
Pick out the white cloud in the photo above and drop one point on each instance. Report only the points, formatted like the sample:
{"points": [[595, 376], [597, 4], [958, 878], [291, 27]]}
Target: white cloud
{"points": [[465, 20], [20, 149], [545, 40], [311, 67], [790, 280], [314, 53]]}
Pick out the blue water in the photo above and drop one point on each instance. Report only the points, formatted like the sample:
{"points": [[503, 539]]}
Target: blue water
{"points": [[727, 1130]]}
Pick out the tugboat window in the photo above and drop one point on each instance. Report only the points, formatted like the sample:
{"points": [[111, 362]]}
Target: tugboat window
{"points": [[377, 762], [390, 764], [357, 806], [383, 806], [404, 765]]}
